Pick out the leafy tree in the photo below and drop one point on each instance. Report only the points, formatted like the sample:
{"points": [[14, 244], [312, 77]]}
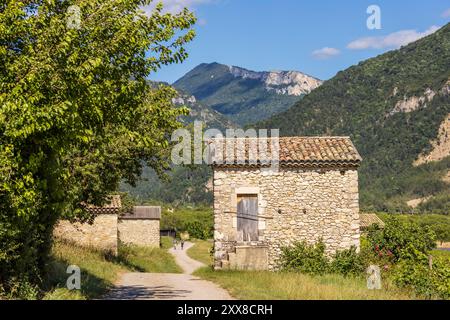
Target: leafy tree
{"points": [[76, 113]]}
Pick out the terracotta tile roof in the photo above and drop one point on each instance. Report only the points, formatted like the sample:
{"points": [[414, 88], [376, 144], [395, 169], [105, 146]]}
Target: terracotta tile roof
{"points": [[292, 151], [368, 219], [143, 212], [112, 207]]}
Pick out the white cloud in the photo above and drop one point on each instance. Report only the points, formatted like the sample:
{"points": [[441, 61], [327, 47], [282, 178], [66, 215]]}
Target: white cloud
{"points": [[446, 13], [325, 53], [393, 40], [174, 6]]}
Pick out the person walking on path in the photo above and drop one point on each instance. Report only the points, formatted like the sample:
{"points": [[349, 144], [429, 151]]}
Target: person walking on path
{"points": [[182, 244], [175, 242]]}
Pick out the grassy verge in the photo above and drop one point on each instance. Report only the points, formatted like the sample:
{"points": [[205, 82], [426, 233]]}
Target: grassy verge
{"points": [[144, 259], [100, 271], [200, 251], [266, 285]]}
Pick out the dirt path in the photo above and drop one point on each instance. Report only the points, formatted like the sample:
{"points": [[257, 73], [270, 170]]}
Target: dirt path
{"points": [[168, 286], [186, 263]]}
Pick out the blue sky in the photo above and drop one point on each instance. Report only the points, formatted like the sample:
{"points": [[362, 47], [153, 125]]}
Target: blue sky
{"points": [[319, 37]]}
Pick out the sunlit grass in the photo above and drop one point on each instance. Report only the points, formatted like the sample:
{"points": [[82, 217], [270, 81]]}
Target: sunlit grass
{"points": [[267, 285], [200, 251]]}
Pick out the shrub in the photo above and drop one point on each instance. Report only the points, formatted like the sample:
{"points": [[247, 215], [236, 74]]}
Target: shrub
{"points": [[198, 230], [414, 273], [401, 238], [302, 257], [348, 262]]}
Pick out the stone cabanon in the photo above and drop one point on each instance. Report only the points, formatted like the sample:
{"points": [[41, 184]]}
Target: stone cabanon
{"points": [[141, 227], [311, 194], [100, 234], [109, 226]]}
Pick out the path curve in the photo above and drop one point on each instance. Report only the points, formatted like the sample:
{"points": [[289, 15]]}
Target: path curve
{"points": [[168, 286], [186, 263]]}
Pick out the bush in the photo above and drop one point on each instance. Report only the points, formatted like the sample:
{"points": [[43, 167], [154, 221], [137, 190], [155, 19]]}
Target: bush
{"points": [[19, 289], [198, 230], [305, 258], [198, 221], [414, 273], [348, 262], [400, 238]]}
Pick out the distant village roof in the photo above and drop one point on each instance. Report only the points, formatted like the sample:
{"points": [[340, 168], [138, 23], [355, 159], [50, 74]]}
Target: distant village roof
{"points": [[143, 212], [368, 219], [292, 151], [112, 207]]}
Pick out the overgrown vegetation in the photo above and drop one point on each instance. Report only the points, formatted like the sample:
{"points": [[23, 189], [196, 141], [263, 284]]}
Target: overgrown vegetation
{"points": [[198, 221], [401, 249], [358, 102], [440, 224], [77, 115]]}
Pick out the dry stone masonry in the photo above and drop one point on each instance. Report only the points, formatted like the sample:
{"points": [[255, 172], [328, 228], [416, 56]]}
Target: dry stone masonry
{"points": [[140, 227], [313, 195]]}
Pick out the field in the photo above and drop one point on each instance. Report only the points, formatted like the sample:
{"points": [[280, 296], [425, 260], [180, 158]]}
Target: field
{"points": [[99, 271]]}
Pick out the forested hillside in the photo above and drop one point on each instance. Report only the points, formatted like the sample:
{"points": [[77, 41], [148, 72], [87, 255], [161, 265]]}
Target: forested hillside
{"points": [[242, 95], [392, 106]]}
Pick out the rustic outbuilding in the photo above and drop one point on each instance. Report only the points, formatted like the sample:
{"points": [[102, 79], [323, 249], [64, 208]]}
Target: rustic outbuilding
{"points": [[141, 226], [110, 225], [101, 233], [312, 194]]}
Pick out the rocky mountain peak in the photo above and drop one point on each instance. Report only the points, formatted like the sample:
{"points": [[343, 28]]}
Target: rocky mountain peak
{"points": [[293, 83]]}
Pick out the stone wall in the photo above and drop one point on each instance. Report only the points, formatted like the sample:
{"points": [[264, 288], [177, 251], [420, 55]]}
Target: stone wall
{"points": [[102, 234], [293, 205], [143, 232]]}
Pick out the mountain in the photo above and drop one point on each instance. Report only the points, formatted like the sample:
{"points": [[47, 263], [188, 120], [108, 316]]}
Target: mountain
{"points": [[242, 95], [396, 109], [201, 112]]}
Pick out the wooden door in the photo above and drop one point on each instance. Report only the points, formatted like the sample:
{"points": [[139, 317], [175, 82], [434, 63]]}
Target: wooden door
{"points": [[247, 217]]}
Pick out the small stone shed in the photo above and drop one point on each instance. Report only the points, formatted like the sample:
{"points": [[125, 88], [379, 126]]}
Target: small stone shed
{"points": [[141, 227], [101, 234], [312, 195]]}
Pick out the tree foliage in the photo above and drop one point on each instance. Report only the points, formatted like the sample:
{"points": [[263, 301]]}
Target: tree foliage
{"points": [[76, 113]]}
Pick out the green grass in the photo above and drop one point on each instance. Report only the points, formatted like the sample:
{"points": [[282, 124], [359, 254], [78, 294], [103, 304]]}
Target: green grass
{"points": [[142, 259], [267, 285], [201, 251], [99, 271]]}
